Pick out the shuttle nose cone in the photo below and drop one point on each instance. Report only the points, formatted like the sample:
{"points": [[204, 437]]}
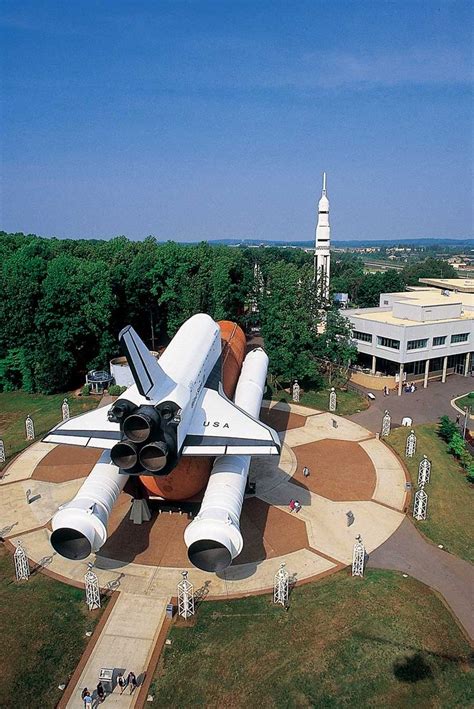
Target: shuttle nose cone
{"points": [[154, 456]]}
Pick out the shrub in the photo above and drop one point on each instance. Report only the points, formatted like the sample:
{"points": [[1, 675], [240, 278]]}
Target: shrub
{"points": [[116, 390], [447, 428], [457, 445], [86, 390]]}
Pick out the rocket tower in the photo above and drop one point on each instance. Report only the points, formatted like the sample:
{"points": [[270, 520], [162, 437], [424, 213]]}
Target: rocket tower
{"points": [[322, 257]]}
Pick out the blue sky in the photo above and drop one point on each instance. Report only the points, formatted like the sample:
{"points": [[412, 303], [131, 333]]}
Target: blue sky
{"points": [[194, 120]]}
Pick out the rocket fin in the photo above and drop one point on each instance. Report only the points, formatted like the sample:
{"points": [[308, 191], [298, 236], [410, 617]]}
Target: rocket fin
{"points": [[147, 373], [92, 429], [219, 427]]}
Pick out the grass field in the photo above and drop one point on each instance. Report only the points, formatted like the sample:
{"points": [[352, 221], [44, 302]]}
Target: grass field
{"points": [[348, 402], [380, 641], [45, 411], [42, 625], [450, 520], [467, 400]]}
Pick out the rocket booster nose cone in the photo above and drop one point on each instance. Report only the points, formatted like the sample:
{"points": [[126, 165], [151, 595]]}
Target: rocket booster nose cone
{"points": [[209, 555], [124, 455], [154, 456], [70, 543]]}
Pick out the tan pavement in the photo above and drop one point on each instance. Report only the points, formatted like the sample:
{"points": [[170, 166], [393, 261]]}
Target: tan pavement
{"points": [[125, 644]]}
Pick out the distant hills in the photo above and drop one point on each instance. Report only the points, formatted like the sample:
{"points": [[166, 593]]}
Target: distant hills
{"points": [[351, 243]]}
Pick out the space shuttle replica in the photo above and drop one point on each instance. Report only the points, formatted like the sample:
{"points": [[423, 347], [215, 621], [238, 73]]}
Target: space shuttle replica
{"points": [[174, 424]]}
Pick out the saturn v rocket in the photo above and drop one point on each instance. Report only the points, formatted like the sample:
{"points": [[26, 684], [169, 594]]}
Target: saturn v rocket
{"points": [[174, 424]]}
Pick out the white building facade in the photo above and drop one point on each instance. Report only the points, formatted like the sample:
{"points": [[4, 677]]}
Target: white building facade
{"points": [[416, 335]]}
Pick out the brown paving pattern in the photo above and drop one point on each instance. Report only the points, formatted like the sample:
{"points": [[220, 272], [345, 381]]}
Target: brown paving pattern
{"points": [[160, 542], [65, 463], [281, 420], [339, 470]]}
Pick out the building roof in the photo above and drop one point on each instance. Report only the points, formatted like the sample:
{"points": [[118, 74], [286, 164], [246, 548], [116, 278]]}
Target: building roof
{"points": [[462, 285]]}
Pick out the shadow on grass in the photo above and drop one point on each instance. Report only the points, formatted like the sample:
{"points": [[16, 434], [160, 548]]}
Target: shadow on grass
{"points": [[412, 668]]}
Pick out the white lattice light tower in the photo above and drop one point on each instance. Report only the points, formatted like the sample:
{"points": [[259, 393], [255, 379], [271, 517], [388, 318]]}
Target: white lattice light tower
{"points": [[30, 428], [65, 410], [410, 447], [185, 597], [420, 504], [358, 558], [386, 423], [22, 566], [281, 586], [2, 451], [424, 471], [332, 400], [92, 589], [296, 392]]}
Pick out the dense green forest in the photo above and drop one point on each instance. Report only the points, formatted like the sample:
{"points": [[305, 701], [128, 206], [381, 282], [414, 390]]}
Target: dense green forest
{"points": [[65, 301]]}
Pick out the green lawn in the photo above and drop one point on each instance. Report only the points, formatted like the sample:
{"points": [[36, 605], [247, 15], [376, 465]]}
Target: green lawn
{"points": [[43, 626], [467, 400], [450, 520], [348, 402], [45, 411], [380, 641]]}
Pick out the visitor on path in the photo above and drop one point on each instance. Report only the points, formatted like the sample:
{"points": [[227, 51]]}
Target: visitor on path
{"points": [[297, 506], [306, 472], [386, 391], [292, 505], [122, 683], [458, 418], [132, 681], [100, 692], [87, 699]]}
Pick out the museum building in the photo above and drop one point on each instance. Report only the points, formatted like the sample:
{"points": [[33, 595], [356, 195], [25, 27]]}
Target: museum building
{"points": [[418, 335]]}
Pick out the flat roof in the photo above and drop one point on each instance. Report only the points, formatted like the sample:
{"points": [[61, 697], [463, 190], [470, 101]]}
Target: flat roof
{"points": [[463, 285], [386, 316]]}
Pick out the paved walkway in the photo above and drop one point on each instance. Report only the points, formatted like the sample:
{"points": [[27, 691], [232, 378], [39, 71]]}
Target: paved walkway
{"points": [[330, 539], [424, 406], [126, 643], [408, 551]]}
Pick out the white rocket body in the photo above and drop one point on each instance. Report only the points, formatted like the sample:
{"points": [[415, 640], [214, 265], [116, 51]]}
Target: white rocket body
{"points": [[322, 255], [80, 526], [213, 538]]}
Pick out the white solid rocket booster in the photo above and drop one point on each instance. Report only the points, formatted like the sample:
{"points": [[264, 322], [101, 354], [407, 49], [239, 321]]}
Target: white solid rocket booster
{"points": [[80, 526], [213, 538]]}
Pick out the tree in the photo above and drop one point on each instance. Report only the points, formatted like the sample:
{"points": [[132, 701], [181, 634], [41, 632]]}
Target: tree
{"points": [[288, 322], [446, 428], [334, 347]]}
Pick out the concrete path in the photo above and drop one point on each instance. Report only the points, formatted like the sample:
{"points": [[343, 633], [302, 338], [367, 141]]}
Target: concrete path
{"points": [[126, 643], [408, 551], [424, 406]]}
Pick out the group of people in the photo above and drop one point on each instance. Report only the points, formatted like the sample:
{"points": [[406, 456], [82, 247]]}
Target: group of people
{"points": [[123, 683], [410, 388]]}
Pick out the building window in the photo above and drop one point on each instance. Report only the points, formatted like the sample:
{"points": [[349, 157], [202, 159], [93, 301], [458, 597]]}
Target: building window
{"points": [[416, 344], [437, 341], [388, 342], [461, 337], [362, 336]]}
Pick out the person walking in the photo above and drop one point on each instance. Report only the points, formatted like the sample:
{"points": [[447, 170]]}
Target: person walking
{"points": [[87, 700], [122, 683], [132, 681], [306, 472], [100, 692]]}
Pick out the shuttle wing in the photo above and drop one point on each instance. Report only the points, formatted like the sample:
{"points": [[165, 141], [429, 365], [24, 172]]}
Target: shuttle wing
{"points": [[219, 427], [91, 429]]}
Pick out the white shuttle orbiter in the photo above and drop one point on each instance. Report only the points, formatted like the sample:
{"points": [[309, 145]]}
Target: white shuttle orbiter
{"points": [[176, 407]]}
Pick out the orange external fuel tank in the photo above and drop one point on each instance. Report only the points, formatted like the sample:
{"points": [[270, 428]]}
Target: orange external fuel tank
{"points": [[192, 473]]}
